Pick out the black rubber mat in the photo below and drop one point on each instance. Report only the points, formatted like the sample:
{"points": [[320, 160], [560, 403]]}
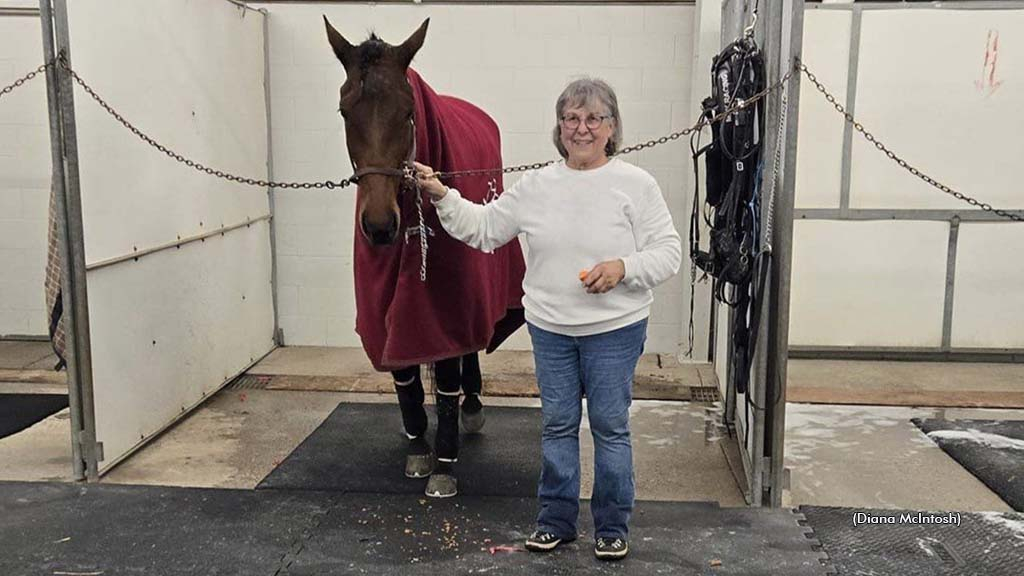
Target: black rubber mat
{"points": [[361, 448], [51, 529], [983, 544], [410, 535], [992, 450], [112, 530], [19, 411]]}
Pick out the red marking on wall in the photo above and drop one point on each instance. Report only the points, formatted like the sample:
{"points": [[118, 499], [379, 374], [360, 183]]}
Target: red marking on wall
{"points": [[988, 83]]}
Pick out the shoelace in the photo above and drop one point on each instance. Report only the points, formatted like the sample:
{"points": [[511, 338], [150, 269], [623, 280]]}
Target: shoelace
{"points": [[617, 543]]}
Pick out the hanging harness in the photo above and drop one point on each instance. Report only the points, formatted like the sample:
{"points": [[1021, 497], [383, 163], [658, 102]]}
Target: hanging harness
{"points": [[732, 205]]}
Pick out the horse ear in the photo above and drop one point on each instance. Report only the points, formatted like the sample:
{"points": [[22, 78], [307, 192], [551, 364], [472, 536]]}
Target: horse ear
{"points": [[412, 45], [342, 49]]}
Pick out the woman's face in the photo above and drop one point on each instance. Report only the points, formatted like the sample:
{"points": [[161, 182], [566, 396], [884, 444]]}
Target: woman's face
{"points": [[585, 131]]}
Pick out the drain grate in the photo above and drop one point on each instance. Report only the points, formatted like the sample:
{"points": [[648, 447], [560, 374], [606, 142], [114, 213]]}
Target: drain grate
{"points": [[706, 394], [249, 382]]}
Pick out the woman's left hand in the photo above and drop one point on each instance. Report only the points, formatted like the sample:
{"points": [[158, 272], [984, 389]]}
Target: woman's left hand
{"points": [[604, 276]]}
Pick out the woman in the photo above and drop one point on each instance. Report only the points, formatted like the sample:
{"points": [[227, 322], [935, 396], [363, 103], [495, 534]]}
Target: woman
{"points": [[600, 237]]}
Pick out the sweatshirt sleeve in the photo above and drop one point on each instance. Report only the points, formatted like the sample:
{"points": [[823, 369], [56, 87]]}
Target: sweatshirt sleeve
{"points": [[659, 250], [482, 226]]}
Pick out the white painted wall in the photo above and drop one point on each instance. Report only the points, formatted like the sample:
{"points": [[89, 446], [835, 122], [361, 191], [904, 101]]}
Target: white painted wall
{"points": [[922, 89], [24, 180], [174, 326], [511, 60]]}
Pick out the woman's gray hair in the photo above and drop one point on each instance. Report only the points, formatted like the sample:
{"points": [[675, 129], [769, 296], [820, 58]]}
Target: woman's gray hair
{"points": [[586, 91]]}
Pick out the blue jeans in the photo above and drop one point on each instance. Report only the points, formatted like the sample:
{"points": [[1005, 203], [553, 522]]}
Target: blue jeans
{"points": [[602, 366]]}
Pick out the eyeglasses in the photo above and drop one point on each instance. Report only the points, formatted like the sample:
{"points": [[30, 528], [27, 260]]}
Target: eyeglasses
{"points": [[593, 122]]}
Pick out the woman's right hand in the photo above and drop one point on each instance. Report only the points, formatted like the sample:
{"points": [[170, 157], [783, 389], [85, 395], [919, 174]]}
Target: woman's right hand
{"points": [[428, 181]]}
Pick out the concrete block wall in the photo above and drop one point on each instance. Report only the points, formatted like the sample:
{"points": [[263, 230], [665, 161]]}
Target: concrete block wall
{"points": [[24, 180], [511, 60]]}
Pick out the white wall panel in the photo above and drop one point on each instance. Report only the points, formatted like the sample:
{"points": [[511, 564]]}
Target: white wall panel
{"points": [[174, 326], [988, 304], [190, 74], [24, 180], [925, 90], [513, 61], [820, 129], [170, 329], [868, 283]]}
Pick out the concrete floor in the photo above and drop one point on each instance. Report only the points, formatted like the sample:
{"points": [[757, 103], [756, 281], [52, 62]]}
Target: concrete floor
{"points": [[862, 456], [875, 457]]}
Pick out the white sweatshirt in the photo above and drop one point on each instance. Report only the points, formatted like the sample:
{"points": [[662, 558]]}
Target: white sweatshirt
{"points": [[572, 220]]}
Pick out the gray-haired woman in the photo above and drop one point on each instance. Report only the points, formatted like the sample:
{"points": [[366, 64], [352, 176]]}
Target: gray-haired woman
{"points": [[600, 237]]}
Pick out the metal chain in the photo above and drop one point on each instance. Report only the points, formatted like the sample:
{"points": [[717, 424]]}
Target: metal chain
{"points": [[702, 122], [900, 161], [20, 81], [769, 225], [193, 164]]}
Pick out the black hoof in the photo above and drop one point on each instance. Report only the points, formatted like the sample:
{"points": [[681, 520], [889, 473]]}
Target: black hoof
{"points": [[442, 486], [472, 414], [473, 422], [419, 461]]}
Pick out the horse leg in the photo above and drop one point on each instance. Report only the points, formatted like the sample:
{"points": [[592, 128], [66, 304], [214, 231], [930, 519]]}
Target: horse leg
{"points": [[419, 462], [472, 410], [447, 378]]}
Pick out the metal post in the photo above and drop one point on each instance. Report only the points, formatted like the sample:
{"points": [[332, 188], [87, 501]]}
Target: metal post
{"points": [[75, 294], [788, 19], [767, 39], [57, 190], [278, 335]]}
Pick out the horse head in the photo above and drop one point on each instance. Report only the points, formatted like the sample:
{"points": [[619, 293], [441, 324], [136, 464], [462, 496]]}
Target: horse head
{"points": [[376, 103]]}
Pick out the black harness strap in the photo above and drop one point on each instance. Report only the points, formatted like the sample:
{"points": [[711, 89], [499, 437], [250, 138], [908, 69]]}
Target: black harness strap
{"points": [[731, 211]]}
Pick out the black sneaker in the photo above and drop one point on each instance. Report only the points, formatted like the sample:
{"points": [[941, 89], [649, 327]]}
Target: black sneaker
{"points": [[611, 548], [541, 541]]}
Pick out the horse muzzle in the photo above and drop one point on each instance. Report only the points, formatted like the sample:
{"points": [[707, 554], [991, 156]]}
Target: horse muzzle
{"points": [[380, 233]]}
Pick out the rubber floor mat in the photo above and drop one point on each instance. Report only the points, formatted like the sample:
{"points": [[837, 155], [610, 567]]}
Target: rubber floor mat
{"points": [[20, 411], [361, 448], [991, 450], [862, 541]]}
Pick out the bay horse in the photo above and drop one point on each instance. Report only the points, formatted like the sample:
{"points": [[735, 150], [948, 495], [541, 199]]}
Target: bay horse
{"points": [[437, 302]]}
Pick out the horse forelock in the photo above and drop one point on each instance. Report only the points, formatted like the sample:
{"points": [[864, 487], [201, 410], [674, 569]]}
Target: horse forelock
{"points": [[372, 51]]}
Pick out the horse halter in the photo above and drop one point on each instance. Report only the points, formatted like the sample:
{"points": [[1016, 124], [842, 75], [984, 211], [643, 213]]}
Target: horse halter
{"points": [[406, 172]]}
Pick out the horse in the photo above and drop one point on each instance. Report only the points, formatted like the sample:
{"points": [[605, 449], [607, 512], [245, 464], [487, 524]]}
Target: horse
{"points": [[435, 302]]}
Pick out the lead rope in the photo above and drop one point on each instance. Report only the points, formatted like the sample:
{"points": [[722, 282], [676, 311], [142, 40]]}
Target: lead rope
{"points": [[422, 225]]}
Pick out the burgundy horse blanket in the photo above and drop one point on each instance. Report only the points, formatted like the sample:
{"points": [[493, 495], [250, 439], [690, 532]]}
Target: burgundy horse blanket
{"points": [[471, 300]]}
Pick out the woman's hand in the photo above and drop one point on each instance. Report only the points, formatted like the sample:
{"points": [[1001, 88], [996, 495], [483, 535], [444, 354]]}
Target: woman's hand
{"points": [[428, 181], [604, 276]]}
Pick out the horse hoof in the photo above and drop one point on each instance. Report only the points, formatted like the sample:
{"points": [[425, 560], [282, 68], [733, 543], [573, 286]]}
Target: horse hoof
{"points": [[419, 465], [442, 486], [473, 422]]}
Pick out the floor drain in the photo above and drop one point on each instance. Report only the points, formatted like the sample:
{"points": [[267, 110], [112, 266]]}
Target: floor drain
{"points": [[249, 382], [706, 394]]}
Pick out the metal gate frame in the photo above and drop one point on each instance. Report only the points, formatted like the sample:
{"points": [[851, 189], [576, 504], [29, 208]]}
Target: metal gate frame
{"points": [[86, 452], [779, 32]]}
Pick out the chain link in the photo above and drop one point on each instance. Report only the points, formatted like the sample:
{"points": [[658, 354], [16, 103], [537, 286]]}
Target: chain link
{"points": [[636, 147], [20, 81], [192, 163], [703, 121], [900, 161], [779, 139]]}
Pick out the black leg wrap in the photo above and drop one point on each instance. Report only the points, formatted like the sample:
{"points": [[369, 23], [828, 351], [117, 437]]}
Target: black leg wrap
{"points": [[447, 442], [471, 381], [448, 380], [410, 398]]}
